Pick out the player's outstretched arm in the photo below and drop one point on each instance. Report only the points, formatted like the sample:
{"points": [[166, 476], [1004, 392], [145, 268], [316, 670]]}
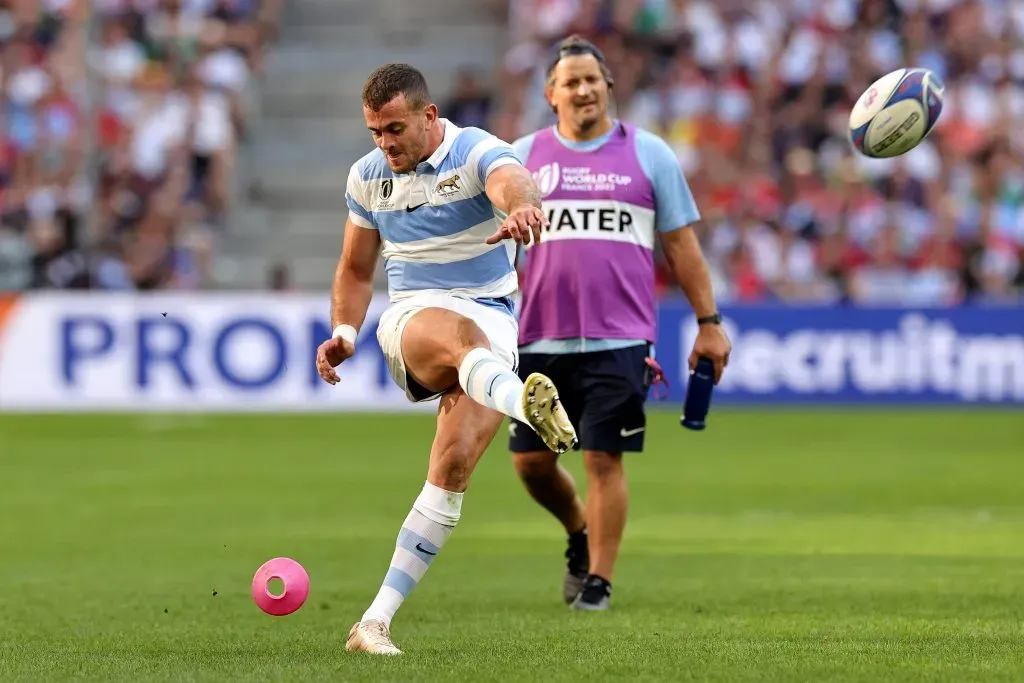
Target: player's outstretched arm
{"points": [[512, 189], [351, 294]]}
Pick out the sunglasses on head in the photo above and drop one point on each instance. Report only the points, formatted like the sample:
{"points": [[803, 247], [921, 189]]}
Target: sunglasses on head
{"points": [[575, 51]]}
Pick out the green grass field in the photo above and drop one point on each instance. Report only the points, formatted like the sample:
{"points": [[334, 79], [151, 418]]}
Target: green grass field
{"points": [[784, 546]]}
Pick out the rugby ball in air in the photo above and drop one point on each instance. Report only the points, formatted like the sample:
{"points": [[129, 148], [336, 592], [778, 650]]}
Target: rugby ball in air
{"points": [[896, 113]]}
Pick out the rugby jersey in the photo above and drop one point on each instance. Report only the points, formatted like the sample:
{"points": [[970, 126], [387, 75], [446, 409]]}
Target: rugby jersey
{"points": [[433, 221]]}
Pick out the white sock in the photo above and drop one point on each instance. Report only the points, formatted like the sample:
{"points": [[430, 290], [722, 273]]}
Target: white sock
{"points": [[487, 380], [430, 522]]}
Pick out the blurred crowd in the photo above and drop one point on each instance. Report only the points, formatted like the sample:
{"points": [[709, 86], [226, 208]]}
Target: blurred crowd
{"points": [[121, 122], [754, 97]]}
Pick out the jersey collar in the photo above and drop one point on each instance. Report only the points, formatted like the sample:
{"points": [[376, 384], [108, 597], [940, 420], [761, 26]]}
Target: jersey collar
{"points": [[451, 131]]}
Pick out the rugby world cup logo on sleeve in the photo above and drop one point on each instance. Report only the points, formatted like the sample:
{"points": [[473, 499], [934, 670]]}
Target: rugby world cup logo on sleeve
{"points": [[547, 177]]}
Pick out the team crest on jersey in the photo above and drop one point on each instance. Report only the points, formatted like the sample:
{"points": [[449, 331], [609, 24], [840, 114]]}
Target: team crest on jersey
{"points": [[547, 177], [448, 187]]}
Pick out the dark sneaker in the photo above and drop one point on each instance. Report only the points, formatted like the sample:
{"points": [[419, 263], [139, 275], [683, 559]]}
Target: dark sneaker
{"points": [[595, 596], [577, 563]]}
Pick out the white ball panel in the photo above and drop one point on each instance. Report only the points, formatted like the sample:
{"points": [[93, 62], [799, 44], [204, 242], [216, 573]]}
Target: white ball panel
{"points": [[874, 98]]}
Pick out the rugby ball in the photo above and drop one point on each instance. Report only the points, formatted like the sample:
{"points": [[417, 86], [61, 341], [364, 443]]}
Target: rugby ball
{"points": [[896, 113]]}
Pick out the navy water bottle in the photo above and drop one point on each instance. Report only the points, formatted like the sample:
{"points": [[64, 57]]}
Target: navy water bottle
{"points": [[698, 395]]}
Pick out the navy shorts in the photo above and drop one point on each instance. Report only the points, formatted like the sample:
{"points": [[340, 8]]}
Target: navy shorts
{"points": [[603, 392]]}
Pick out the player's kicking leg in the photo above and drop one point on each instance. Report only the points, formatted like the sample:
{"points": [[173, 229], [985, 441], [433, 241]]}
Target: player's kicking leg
{"points": [[443, 351]]}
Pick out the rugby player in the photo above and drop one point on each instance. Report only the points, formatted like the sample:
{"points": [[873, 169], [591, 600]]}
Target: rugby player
{"points": [[449, 206], [588, 308]]}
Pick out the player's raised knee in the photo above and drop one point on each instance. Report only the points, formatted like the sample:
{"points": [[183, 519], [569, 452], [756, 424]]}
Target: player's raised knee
{"points": [[443, 336], [468, 336]]}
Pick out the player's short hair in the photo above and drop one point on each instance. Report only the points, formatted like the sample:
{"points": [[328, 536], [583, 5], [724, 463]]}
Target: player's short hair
{"points": [[391, 80], [578, 45]]}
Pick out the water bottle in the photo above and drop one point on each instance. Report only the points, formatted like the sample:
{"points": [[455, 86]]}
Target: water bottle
{"points": [[698, 395]]}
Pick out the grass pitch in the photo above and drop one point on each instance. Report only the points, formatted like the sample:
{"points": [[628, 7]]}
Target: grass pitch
{"points": [[789, 546]]}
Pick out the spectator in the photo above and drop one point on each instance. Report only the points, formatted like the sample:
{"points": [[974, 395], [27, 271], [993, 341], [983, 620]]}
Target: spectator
{"points": [[171, 75]]}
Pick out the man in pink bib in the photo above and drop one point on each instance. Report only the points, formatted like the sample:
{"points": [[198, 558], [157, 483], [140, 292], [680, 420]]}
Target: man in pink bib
{"points": [[588, 310]]}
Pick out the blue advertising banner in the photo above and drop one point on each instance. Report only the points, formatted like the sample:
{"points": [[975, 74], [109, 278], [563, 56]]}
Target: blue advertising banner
{"points": [[814, 355]]}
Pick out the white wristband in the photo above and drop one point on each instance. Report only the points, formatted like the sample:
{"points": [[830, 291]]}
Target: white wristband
{"points": [[346, 332]]}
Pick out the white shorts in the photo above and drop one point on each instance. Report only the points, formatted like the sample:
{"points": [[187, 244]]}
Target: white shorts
{"points": [[497, 323]]}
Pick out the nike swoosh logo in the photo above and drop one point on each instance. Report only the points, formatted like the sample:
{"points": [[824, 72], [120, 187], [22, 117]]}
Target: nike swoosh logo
{"points": [[424, 550], [413, 208], [630, 432]]}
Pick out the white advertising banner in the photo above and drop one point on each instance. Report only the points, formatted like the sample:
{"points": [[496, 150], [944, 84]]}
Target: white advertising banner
{"points": [[218, 352]]}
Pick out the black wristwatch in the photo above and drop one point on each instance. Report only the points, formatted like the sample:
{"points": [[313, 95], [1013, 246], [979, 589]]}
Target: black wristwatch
{"points": [[713, 319]]}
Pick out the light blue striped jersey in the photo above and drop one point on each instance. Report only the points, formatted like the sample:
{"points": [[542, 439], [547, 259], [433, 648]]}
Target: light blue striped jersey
{"points": [[434, 221]]}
